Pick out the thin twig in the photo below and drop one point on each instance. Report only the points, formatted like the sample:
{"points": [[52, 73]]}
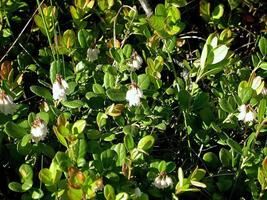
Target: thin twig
{"points": [[22, 31], [146, 7]]}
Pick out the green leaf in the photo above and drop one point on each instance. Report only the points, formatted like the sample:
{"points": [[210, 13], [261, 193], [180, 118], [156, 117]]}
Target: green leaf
{"points": [[27, 184], [108, 158], [211, 160], [184, 99], [157, 22], [45, 176], [226, 106], [162, 166], [218, 12], [234, 145], [98, 89], [197, 174], [60, 137], [109, 192], [74, 194], [26, 139], [263, 65], [234, 3], [109, 80], [93, 134], [14, 131], [198, 184], [115, 55], [173, 13], [69, 38], [80, 149], [15, 186], [127, 50], [73, 104], [245, 94], [44, 116], [85, 38], [143, 81], [178, 3], [262, 109], [128, 142], [130, 130], [122, 196], [146, 142], [42, 92], [37, 193], [78, 127], [101, 119], [55, 68], [121, 152], [225, 157], [204, 9], [263, 46], [116, 94]]}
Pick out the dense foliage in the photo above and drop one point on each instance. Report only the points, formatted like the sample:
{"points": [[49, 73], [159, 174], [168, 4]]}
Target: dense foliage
{"points": [[133, 99]]}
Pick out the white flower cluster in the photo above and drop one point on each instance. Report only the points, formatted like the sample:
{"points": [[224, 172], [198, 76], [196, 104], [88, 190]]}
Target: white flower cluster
{"points": [[163, 181], [136, 61], [7, 106], [60, 88], [133, 95], [92, 54], [245, 114], [38, 130]]}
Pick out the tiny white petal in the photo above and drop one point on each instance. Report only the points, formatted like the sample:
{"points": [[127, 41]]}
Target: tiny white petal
{"points": [[163, 183], [169, 181], [241, 116], [242, 108], [157, 182], [249, 117]]}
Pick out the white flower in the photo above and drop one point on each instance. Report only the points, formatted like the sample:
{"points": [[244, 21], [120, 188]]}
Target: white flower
{"points": [[133, 95], [60, 88], [157, 182], [244, 115], [92, 54], [168, 181], [136, 61], [137, 192], [38, 130], [163, 181], [7, 106]]}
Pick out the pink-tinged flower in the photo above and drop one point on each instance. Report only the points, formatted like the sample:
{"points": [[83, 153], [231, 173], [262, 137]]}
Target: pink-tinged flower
{"points": [[38, 130], [136, 61], [60, 88], [163, 181]]}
